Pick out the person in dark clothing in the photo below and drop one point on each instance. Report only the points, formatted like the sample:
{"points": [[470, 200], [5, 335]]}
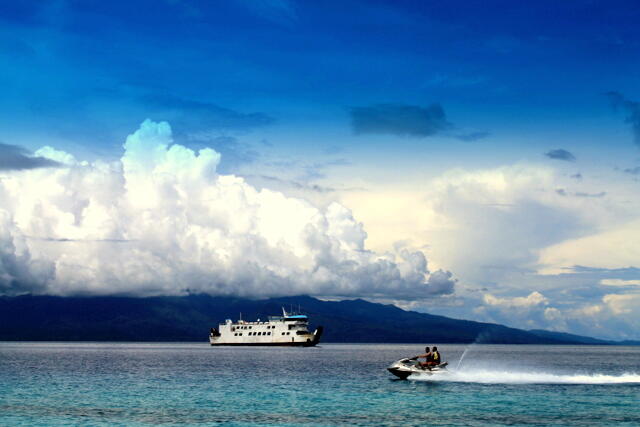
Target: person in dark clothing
{"points": [[435, 357], [428, 358]]}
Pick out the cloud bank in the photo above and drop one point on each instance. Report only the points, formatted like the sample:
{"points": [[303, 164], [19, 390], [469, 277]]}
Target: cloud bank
{"points": [[560, 154], [162, 220]]}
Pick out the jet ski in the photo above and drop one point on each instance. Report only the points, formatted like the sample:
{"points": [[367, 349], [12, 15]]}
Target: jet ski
{"points": [[403, 368]]}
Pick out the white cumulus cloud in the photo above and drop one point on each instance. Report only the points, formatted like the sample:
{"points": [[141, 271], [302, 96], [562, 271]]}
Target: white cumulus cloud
{"points": [[161, 220], [533, 299]]}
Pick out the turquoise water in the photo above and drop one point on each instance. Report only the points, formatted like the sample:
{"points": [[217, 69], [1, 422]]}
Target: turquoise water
{"points": [[98, 384]]}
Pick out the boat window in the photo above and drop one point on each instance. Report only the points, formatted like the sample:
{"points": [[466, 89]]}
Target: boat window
{"points": [[268, 333], [283, 333]]}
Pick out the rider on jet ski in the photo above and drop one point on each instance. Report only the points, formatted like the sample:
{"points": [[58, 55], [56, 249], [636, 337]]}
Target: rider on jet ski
{"points": [[432, 357]]}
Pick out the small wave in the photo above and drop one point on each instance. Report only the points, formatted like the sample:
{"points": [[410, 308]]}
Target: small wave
{"points": [[512, 377]]}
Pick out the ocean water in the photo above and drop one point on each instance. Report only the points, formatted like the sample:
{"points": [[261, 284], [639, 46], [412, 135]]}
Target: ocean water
{"points": [[100, 384]]}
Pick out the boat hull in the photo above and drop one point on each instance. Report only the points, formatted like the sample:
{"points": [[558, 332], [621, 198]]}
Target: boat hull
{"points": [[404, 368], [268, 344], [403, 375], [309, 340]]}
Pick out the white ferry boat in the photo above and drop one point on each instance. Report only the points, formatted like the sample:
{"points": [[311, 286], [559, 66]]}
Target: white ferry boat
{"points": [[285, 330]]}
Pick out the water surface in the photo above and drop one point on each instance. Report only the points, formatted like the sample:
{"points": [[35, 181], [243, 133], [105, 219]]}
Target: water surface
{"points": [[98, 384]]}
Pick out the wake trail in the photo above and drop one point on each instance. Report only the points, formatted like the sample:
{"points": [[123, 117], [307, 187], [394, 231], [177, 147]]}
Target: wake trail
{"points": [[515, 377]]}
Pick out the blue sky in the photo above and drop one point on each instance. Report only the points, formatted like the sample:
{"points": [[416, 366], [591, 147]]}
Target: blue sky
{"points": [[511, 70], [504, 129]]}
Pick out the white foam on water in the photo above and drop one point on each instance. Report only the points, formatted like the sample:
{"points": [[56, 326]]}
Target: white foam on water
{"points": [[515, 377]]}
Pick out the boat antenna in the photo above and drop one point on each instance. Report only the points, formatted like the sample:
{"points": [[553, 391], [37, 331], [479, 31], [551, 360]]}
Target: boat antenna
{"points": [[240, 316]]}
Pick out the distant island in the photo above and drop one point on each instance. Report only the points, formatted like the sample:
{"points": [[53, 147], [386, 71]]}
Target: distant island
{"points": [[188, 319]]}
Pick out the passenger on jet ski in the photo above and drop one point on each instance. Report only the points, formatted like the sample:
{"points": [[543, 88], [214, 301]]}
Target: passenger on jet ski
{"points": [[432, 358], [435, 357]]}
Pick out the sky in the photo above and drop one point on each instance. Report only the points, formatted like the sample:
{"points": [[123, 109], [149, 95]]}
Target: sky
{"points": [[475, 159]]}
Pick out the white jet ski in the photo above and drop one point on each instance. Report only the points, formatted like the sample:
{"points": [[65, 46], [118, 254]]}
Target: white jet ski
{"points": [[405, 367]]}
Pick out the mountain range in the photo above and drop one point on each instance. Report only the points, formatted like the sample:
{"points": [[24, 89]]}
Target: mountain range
{"points": [[188, 318]]}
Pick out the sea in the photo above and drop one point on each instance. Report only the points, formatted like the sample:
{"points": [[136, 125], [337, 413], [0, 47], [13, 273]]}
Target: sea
{"points": [[193, 384]]}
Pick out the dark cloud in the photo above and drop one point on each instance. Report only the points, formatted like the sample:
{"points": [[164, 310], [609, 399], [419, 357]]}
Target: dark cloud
{"points": [[441, 283], [198, 116], [399, 119], [631, 109], [472, 136], [564, 193], [577, 176], [633, 171], [13, 157], [560, 154]]}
